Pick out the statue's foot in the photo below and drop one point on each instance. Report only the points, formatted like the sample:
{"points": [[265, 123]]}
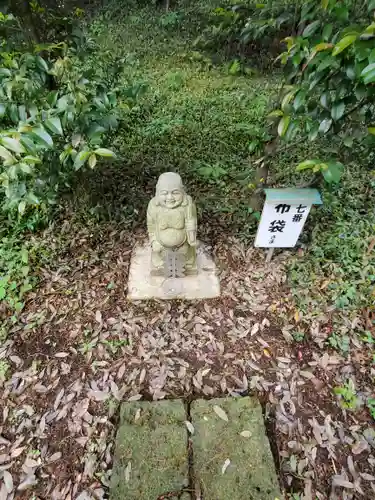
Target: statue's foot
{"points": [[191, 271], [157, 271]]}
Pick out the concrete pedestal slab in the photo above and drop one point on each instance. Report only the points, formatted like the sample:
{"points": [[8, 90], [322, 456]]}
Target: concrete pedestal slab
{"points": [[143, 286]]}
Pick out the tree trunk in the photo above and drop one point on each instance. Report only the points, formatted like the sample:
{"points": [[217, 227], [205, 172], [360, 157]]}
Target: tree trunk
{"points": [[262, 171], [261, 175], [22, 9]]}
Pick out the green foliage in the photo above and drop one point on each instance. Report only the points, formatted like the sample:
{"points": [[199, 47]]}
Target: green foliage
{"points": [[368, 338], [212, 173], [371, 406], [266, 21], [55, 119], [195, 118], [4, 367], [329, 71], [209, 123], [39, 23], [249, 23], [340, 342], [42, 127], [331, 170], [347, 395], [223, 27], [298, 336], [339, 263], [15, 279], [234, 67], [114, 344], [171, 19], [58, 112]]}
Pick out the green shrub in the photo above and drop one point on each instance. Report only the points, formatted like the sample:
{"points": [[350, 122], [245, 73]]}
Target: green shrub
{"points": [[55, 118]]}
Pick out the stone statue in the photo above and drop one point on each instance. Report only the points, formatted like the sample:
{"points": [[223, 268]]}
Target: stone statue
{"points": [[172, 226]]}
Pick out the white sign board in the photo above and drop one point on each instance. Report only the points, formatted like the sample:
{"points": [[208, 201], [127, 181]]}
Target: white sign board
{"points": [[283, 217]]}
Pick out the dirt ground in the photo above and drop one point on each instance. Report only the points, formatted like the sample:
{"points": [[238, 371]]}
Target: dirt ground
{"points": [[81, 348]]}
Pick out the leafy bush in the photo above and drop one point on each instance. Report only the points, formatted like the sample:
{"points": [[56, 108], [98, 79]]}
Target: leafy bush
{"points": [[58, 112], [55, 118], [224, 26], [258, 25], [330, 73]]}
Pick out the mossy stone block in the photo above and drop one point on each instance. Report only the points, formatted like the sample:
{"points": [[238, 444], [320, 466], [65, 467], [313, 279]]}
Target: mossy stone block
{"points": [[150, 457], [250, 474]]}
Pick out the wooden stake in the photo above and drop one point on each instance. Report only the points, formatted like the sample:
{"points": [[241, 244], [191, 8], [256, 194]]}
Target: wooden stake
{"points": [[269, 254]]}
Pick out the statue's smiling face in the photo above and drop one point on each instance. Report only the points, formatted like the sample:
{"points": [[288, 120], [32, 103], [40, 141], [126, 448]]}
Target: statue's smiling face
{"points": [[170, 197]]}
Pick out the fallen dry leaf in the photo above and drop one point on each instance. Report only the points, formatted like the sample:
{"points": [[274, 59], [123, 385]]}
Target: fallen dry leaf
{"points": [[225, 466], [8, 481], [128, 469], [98, 317], [220, 413], [245, 434], [190, 426]]}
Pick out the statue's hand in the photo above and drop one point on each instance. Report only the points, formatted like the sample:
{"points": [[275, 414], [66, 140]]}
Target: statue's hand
{"points": [[156, 247], [192, 238]]}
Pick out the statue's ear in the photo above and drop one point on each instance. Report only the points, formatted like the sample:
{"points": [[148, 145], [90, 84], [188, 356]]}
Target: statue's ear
{"points": [[185, 201], [156, 201]]}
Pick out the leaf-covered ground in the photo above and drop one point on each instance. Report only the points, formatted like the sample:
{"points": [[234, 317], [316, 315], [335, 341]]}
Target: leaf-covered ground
{"points": [[81, 347]]}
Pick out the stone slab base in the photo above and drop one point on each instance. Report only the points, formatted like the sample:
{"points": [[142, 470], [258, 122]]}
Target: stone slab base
{"points": [[142, 285]]}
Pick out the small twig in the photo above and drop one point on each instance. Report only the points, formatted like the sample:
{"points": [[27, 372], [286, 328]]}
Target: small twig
{"points": [[56, 292], [371, 246], [174, 494], [309, 183], [288, 146]]}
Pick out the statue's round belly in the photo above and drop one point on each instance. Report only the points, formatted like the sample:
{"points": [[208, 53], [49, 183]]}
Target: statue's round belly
{"points": [[172, 237]]}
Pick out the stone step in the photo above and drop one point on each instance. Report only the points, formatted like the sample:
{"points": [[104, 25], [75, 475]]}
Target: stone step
{"points": [[230, 465], [231, 453], [151, 450]]}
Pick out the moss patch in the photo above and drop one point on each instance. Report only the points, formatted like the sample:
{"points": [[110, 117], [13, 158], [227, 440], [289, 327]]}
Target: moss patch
{"points": [[150, 457], [251, 471]]}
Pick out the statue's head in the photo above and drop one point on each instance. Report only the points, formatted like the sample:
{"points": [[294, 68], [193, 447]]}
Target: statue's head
{"points": [[170, 191]]}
